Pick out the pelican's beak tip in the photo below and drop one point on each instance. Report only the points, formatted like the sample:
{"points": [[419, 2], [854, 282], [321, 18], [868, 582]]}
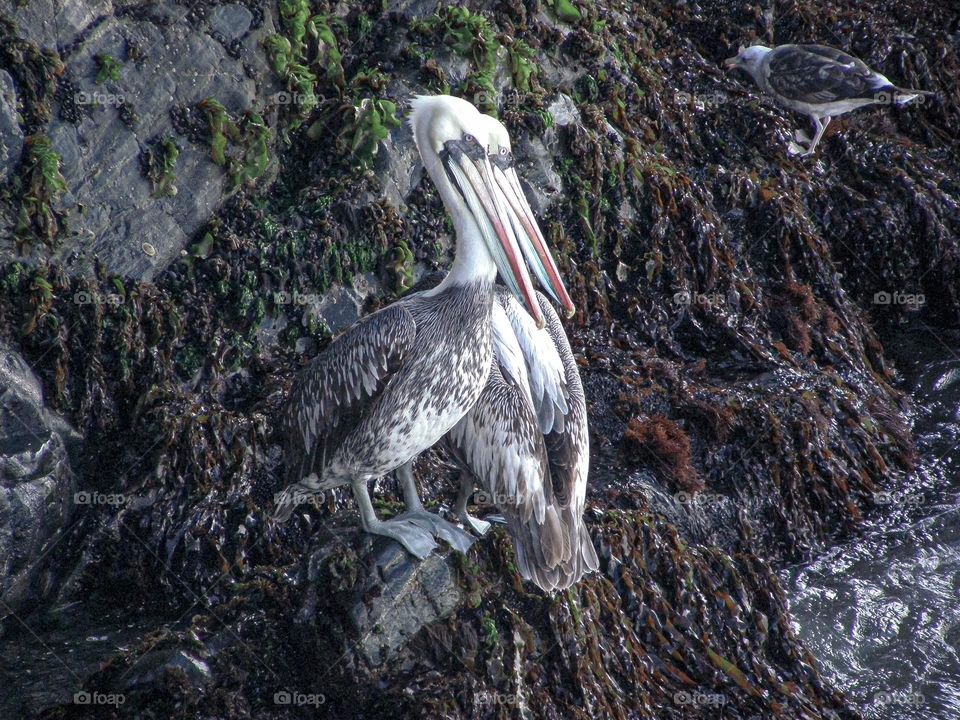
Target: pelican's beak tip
{"points": [[569, 312], [541, 322]]}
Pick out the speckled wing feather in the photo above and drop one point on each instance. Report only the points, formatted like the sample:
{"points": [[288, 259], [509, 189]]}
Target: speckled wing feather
{"points": [[330, 397], [499, 438], [512, 452], [818, 74], [544, 366]]}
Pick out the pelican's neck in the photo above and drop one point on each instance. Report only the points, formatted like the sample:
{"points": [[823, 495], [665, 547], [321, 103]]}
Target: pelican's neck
{"points": [[472, 262]]}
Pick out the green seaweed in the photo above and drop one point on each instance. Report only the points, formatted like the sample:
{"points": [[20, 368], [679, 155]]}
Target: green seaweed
{"points": [[40, 184], [108, 68], [160, 162]]}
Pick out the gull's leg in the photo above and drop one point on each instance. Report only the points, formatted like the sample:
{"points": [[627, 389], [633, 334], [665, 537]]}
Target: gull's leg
{"points": [[412, 536], [481, 527], [428, 521], [821, 126]]}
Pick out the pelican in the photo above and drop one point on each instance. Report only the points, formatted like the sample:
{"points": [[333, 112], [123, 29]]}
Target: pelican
{"points": [[817, 80], [397, 381], [525, 442]]}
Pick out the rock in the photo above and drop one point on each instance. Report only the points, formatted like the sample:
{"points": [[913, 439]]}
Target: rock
{"points": [[564, 111], [232, 21], [178, 63], [150, 668], [11, 137], [340, 307], [37, 484], [396, 596], [398, 166]]}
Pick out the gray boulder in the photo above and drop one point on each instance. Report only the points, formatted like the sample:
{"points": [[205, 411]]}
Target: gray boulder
{"points": [[170, 56], [37, 485]]}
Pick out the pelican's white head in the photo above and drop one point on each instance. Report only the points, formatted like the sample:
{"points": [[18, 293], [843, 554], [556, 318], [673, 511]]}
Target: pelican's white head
{"points": [[455, 141], [748, 59]]}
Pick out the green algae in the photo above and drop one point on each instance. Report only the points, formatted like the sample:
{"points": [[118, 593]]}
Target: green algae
{"points": [[39, 185]]}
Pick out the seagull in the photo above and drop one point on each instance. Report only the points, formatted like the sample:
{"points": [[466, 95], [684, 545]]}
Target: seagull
{"points": [[818, 80], [396, 382]]}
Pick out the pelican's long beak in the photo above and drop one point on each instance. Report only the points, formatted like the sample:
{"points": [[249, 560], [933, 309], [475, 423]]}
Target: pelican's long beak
{"points": [[731, 63], [513, 204], [468, 169]]}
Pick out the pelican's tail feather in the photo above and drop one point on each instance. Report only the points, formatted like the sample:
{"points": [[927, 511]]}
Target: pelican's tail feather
{"points": [[553, 554]]}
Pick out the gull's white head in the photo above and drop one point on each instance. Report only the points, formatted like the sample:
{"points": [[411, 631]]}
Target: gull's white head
{"points": [[467, 155], [748, 59]]}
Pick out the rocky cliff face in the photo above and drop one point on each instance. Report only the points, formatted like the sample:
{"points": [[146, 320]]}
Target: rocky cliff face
{"points": [[172, 259]]}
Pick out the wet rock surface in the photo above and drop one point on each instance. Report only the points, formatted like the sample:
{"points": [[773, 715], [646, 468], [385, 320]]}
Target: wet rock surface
{"points": [[733, 302], [37, 486]]}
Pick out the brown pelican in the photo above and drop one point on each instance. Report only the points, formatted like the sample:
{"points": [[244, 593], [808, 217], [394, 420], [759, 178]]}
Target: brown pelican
{"points": [[818, 80], [392, 385], [526, 443]]}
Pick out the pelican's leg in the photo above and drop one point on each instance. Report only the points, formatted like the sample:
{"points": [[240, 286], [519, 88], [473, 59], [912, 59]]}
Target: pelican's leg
{"points": [[821, 126], [418, 541], [481, 527], [428, 521]]}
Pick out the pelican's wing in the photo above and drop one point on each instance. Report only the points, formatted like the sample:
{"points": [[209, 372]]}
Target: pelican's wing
{"points": [[500, 443], [819, 74], [332, 395], [568, 452], [544, 367]]}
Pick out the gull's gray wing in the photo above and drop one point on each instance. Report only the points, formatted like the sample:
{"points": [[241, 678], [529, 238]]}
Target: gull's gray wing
{"points": [[818, 74]]}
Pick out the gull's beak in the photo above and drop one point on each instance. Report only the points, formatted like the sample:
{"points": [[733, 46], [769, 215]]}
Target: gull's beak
{"points": [[513, 204], [468, 170]]}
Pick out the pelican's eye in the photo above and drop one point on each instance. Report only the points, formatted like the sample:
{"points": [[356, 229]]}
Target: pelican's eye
{"points": [[504, 152], [469, 139]]}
